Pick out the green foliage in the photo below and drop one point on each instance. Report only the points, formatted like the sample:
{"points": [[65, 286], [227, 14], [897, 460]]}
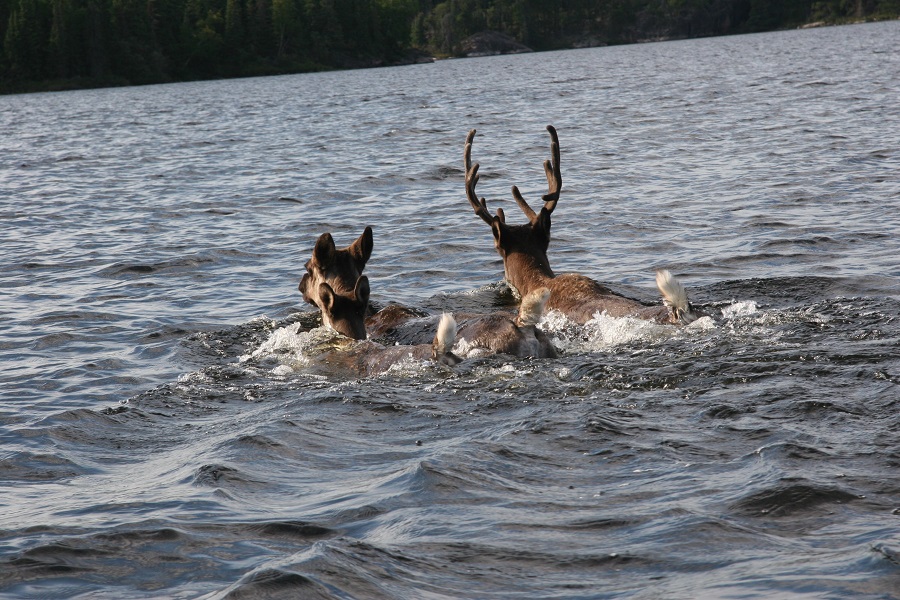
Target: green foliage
{"points": [[103, 42]]}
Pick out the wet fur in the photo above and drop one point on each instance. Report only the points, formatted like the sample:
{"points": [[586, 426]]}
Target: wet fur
{"points": [[365, 358], [497, 333], [345, 314], [675, 298], [340, 268], [520, 337], [526, 267], [333, 268]]}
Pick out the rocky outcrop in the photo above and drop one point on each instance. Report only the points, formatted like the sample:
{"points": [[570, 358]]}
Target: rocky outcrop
{"points": [[490, 43]]}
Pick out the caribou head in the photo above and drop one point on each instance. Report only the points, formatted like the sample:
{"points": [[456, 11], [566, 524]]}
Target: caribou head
{"points": [[522, 247], [339, 268]]}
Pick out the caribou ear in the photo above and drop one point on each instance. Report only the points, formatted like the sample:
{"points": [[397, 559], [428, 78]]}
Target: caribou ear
{"points": [[361, 291], [361, 249], [541, 226], [324, 250], [497, 230], [326, 297]]}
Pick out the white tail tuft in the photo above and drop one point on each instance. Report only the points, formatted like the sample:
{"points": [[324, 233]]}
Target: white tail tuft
{"points": [[531, 310], [675, 297], [671, 289], [446, 334]]}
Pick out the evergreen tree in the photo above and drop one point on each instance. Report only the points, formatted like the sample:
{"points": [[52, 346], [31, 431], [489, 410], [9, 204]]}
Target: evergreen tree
{"points": [[285, 24], [140, 41], [27, 40]]}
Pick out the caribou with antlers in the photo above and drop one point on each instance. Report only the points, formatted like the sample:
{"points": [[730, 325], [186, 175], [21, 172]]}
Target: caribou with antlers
{"points": [[526, 267]]}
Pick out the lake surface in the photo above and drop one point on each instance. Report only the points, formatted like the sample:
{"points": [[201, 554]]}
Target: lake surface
{"points": [[162, 436]]}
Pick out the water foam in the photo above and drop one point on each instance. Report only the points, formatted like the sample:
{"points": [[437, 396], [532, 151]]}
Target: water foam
{"points": [[408, 366], [603, 332], [740, 309], [292, 347], [465, 349]]}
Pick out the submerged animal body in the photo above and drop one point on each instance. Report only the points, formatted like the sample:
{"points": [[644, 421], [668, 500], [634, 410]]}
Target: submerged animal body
{"points": [[365, 358], [346, 315], [346, 312], [523, 249], [496, 333], [500, 334]]}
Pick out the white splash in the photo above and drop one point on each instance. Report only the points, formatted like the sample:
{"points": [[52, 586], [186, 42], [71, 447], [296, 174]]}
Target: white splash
{"points": [[465, 349], [283, 371], [740, 309], [515, 369], [291, 346], [702, 324], [408, 366], [194, 377], [603, 332]]}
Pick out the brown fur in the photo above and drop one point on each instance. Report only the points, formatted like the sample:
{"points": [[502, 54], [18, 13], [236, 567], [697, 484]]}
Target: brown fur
{"points": [[523, 249], [339, 268], [333, 269], [580, 297], [345, 314], [392, 320], [497, 333], [366, 358], [500, 335]]}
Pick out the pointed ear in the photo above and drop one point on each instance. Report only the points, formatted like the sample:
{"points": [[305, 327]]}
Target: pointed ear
{"points": [[361, 291], [497, 230], [361, 249], [324, 250], [542, 224], [326, 297]]}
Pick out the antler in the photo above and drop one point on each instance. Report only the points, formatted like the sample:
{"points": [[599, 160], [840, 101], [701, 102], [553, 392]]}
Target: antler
{"points": [[554, 180], [480, 206], [552, 170]]}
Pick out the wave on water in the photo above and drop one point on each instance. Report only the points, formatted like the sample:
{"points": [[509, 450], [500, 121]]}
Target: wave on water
{"points": [[333, 473], [158, 442]]}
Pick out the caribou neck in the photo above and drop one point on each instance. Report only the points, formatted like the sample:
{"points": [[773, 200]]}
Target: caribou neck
{"points": [[526, 273]]}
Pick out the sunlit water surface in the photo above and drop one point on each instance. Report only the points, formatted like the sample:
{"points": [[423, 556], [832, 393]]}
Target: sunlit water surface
{"points": [[163, 435]]}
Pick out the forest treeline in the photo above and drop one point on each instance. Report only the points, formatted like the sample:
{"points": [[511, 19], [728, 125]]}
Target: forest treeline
{"points": [[53, 44]]}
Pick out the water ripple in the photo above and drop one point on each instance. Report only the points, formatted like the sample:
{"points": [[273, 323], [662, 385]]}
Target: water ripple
{"points": [[163, 436]]}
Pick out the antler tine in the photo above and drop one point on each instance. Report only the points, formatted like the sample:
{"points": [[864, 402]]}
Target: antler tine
{"points": [[529, 212], [554, 181], [552, 170], [480, 206]]}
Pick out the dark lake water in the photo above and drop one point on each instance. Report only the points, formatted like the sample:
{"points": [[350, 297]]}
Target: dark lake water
{"points": [[162, 437]]}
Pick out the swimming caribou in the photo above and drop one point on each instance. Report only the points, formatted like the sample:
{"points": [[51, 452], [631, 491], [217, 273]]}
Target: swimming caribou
{"points": [[526, 267], [334, 282]]}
